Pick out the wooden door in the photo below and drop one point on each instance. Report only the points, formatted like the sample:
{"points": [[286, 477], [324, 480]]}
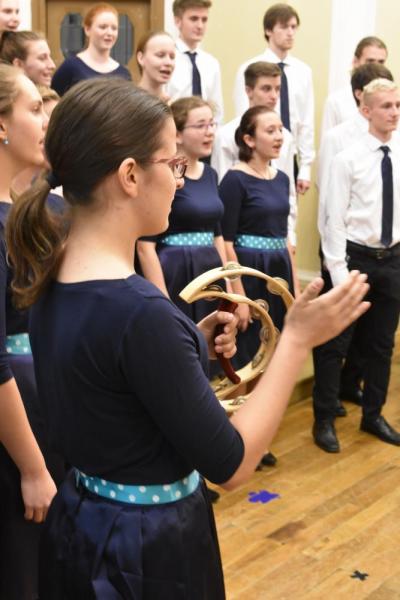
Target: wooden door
{"points": [[47, 15]]}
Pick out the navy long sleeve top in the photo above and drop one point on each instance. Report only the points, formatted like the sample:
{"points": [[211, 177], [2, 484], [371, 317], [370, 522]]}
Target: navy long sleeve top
{"points": [[123, 377]]}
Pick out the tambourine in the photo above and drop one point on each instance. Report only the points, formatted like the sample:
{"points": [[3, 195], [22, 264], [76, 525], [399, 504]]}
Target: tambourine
{"points": [[205, 287]]}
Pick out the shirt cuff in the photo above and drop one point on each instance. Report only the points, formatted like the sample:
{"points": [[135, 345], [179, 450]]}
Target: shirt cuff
{"points": [[304, 172], [339, 275]]}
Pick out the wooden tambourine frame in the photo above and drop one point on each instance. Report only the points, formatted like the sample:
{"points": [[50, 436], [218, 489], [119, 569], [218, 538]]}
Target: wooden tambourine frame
{"points": [[205, 287]]}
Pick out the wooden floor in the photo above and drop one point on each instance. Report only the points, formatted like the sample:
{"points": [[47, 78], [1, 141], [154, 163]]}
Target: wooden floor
{"points": [[336, 514]]}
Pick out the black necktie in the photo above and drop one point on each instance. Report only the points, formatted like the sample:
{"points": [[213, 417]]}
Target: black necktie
{"points": [[387, 197], [196, 80], [284, 97]]}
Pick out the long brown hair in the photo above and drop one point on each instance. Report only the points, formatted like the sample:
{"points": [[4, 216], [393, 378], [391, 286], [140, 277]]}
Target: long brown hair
{"points": [[85, 142], [15, 44]]}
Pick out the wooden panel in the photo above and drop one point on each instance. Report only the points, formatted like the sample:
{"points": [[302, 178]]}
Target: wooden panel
{"points": [[336, 514]]}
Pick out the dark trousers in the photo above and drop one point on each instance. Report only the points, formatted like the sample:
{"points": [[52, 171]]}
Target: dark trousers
{"points": [[351, 374], [375, 330]]}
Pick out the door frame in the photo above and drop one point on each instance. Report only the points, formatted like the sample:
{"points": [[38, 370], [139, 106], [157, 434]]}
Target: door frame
{"points": [[39, 15]]}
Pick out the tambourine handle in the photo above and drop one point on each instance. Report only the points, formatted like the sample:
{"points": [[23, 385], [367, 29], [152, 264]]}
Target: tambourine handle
{"points": [[226, 306]]}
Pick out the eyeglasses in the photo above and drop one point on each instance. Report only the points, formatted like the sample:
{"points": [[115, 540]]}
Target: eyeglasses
{"points": [[203, 126], [177, 164]]}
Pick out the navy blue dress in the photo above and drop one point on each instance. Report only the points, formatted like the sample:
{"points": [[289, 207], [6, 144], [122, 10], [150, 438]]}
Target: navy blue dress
{"points": [[73, 70], [19, 539], [197, 207], [122, 373], [257, 207]]}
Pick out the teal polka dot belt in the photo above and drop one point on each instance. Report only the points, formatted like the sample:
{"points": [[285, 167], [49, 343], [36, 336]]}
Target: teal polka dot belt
{"points": [[192, 238], [18, 344], [140, 494], [260, 242]]}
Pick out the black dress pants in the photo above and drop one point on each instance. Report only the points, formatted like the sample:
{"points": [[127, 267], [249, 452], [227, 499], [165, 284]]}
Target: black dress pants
{"points": [[352, 369], [375, 329]]}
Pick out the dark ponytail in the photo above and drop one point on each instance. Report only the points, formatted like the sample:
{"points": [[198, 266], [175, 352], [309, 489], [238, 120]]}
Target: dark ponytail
{"points": [[34, 238], [96, 125], [247, 126]]}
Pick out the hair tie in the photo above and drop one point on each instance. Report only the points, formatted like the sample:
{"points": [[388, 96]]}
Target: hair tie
{"points": [[52, 180]]}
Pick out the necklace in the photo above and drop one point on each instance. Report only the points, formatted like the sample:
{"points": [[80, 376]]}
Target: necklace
{"points": [[266, 176]]}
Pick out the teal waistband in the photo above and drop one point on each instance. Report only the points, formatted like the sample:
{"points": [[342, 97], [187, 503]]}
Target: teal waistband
{"points": [[192, 238], [140, 494], [18, 344], [260, 242]]}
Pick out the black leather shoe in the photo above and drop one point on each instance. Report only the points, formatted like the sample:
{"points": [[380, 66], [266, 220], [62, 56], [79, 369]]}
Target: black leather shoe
{"points": [[382, 430], [269, 460], [340, 410], [325, 436], [213, 495], [354, 395]]}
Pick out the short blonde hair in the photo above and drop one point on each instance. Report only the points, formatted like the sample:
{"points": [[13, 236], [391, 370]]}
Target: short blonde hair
{"points": [[377, 85]]}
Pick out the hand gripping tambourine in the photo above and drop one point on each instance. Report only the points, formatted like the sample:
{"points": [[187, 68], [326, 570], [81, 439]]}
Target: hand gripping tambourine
{"points": [[205, 287]]}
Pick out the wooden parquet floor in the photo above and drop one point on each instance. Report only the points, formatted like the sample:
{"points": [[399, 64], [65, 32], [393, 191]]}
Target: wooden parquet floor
{"points": [[336, 514]]}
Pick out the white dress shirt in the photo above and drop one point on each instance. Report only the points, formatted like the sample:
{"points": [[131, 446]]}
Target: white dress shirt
{"points": [[354, 212], [180, 84], [334, 141], [301, 105], [225, 155], [339, 106]]}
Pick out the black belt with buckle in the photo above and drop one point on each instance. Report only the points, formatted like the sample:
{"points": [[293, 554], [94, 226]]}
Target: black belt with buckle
{"points": [[377, 253]]}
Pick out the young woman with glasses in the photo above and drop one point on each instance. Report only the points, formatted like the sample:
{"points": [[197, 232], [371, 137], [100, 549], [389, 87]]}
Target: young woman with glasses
{"points": [[121, 370], [192, 243]]}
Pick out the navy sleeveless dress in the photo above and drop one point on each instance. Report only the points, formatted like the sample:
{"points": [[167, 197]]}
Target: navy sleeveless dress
{"points": [[19, 539], [73, 70], [196, 209], [257, 209]]}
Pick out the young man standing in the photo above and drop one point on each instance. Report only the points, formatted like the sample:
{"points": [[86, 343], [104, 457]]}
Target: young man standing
{"points": [[340, 106], [296, 106], [362, 231], [334, 141], [196, 72], [262, 85]]}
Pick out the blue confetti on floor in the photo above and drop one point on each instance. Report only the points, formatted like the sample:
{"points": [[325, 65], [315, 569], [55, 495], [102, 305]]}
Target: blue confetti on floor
{"points": [[262, 496]]}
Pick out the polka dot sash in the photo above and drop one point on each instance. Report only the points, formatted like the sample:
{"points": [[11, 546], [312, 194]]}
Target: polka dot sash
{"points": [[192, 238], [18, 344], [140, 494], [260, 242]]}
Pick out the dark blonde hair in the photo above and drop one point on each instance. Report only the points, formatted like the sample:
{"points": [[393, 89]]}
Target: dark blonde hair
{"points": [[248, 126], [367, 42], [97, 9], [14, 44], [182, 107], [141, 47], [47, 93], [179, 6], [85, 142], [8, 87], [260, 69]]}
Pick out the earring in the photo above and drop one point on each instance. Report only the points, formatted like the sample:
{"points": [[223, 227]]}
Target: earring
{"points": [[5, 141]]}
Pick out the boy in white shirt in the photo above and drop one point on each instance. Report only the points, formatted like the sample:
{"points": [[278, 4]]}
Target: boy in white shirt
{"points": [[197, 73], [296, 106], [361, 231], [339, 105]]}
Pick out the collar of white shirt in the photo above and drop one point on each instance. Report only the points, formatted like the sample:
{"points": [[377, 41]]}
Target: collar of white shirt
{"points": [[272, 57], [182, 47], [374, 143]]}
